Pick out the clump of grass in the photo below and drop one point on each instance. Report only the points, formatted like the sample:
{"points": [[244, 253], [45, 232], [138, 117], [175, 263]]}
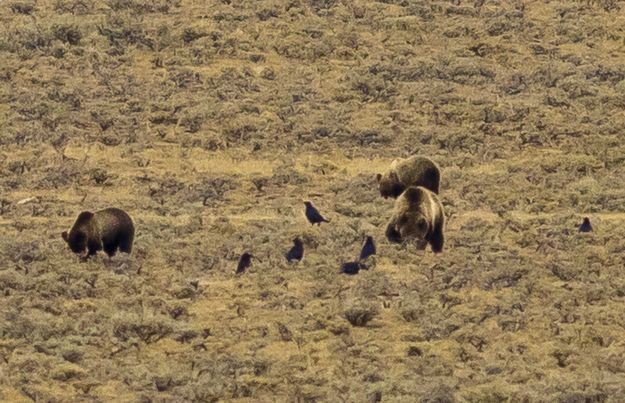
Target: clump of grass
{"points": [[143, 6], [22, 8], [287, 174], [122, 30], [68, 33], [149, 330], [101, 176], [213, 190], [67, 371], [191, 34], [192, 122], [412, 312], [360, 314], [77, 7], [27, 252]]}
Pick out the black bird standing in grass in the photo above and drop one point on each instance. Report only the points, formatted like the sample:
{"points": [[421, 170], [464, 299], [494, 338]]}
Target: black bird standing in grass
{"points": [[352, 268], [244, 262], [297, 251], [313, 214], [586, 226], [368, 248]]}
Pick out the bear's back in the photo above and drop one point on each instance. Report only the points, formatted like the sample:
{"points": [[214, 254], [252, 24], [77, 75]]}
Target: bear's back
{"points": [[420, 171], [420, 198], [417, 164], [113, 219]]}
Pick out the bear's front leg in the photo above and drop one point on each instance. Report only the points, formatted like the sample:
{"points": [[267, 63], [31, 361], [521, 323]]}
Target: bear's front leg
{"points": [[92, 247]]}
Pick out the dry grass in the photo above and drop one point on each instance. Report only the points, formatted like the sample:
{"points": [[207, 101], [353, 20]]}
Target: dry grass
{"points": [[210, 122]]}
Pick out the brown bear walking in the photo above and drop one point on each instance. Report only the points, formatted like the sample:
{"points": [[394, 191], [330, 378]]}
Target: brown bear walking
{"points": [[418, 217], [107, 230], [413, 171]]}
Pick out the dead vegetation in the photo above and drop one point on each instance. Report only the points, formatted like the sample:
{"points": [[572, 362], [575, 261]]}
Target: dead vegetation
{"points": [[211, 121]]}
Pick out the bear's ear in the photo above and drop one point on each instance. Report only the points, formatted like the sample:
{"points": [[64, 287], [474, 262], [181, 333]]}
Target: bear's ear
{"points": [[65, 236], [413, 194], [379, 177], [394, 163], [84, 216]]}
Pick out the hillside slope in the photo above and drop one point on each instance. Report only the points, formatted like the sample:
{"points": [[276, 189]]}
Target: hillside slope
{"points": [[210, 122]]}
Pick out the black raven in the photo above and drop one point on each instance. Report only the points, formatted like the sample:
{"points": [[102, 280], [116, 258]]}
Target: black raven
{"points": [[368, 248], [312, 214], [586, 226], [244, 262], [297, 251], [352, 268]]}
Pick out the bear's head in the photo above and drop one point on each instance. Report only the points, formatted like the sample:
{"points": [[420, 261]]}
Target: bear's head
{"points": [[389, 185], [77, 238], [410, 224], [412, 227]]}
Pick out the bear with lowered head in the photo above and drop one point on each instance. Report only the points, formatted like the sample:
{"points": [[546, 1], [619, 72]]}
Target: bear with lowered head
{"points": [[418, 217], [413, 171], [109, 230]]}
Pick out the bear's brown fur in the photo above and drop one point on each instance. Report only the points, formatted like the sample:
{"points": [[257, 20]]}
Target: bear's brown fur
{"points": [[419, 217], [413, 171], [107, 230]]}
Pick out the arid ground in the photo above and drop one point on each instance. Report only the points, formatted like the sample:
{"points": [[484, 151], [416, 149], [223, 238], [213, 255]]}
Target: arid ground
{"points": [[210, 122]]}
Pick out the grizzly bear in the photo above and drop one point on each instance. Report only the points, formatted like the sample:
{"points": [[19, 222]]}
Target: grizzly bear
{"points": [[107, 230], [413, 171], [418, 217]]}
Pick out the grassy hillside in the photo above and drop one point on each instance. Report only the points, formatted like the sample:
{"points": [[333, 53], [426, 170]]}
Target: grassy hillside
{"points": [[211, 121]]}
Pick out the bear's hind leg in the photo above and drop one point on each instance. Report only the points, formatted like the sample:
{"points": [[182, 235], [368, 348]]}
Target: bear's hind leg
{"points": [[431, 180], [125, 243], [437, 240], [110, 246], [436, 187]]}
